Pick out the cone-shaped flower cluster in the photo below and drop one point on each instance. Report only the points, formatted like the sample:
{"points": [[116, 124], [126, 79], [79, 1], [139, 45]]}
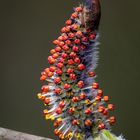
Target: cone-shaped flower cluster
{"points": [[72, 97]]}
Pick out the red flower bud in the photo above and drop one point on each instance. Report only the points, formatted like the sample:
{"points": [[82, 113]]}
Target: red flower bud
{"points": [[75, 48], [75, 122], [77, 60], [58, 110], [65, 48], [101, 109], [66, 86], [59, 72], [80, 84], [77, 41], [68, 22], [112, 120], [45, 89], [72, 76], [74, 15], [101, 126], [71, 110], [47, 101], [61, 104], [88, 122], [57, 80], [95, 85], [70, 70], [88, 111], [64, 55], [78, 9], [60, 65], [70, 62], [81, 67], [57, 91], [82, 96], [75, 99], [110, 107], [106, 98]]}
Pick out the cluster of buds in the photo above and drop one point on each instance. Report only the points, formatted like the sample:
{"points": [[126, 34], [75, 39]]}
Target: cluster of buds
{"points": [[72, 97]]}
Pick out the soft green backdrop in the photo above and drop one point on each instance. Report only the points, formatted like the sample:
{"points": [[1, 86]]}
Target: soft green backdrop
{"points": [[27, 28]]}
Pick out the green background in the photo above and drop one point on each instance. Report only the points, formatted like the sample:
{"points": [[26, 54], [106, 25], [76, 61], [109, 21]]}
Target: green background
{"points": [[27, 28]]}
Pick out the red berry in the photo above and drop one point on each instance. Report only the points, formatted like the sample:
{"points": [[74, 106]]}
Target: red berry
{"points": [[81, 67]]}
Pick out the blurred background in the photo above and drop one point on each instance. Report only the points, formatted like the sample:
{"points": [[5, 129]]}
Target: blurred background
{"points": [[27, 29]]}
